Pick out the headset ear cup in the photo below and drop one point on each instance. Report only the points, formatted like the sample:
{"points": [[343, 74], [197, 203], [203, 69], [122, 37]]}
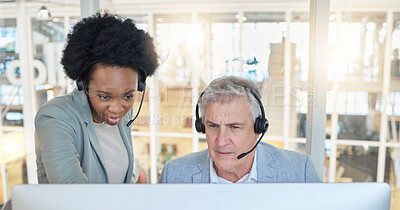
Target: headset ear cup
{"points": [[197, 126], [257, 123], [265, 124], [141, 86], [79, 84], [260, 125], [200, 126]]}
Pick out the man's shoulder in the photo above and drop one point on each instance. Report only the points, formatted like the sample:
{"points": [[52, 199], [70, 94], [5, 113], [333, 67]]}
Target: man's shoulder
{"points": [[289, 166], [190, 159], [281, 154]]}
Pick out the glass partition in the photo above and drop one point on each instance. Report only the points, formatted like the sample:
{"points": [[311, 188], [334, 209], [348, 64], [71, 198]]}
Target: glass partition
{"points": [[176, 39], [392, 160], [12, 152], [10, 93], [358, 164], [48, 38]]}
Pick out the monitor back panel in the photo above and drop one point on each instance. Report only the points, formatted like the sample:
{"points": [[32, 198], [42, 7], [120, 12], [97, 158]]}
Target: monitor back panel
{"points": [[284, 196]]}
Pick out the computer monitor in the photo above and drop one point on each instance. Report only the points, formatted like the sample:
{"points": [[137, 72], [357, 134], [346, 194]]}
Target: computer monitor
{"points": [[362, 196]]}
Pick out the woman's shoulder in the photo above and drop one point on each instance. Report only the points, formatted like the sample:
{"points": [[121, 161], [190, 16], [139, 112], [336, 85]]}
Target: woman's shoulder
{"points": [[57, 103], [66, 105]]}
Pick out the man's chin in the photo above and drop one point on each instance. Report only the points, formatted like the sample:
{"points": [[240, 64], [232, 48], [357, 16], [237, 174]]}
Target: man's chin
{"points": [[225, 165]]}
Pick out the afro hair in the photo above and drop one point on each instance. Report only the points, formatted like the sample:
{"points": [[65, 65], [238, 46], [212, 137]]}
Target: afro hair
{"points": [[108, 39]]}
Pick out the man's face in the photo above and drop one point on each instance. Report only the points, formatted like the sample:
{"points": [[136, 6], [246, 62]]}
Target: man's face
{"points": [[230, 132]]}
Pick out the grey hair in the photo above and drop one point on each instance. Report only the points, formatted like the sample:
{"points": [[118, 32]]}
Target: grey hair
{"points": [[226, 88]]}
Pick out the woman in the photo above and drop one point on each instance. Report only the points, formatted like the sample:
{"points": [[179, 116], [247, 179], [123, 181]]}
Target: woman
{"points": [[83, 137]]}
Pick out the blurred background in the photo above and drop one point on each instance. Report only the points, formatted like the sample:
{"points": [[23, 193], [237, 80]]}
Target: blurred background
{"points": [[197, 41]]}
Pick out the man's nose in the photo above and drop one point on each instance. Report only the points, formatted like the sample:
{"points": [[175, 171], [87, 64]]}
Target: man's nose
{"points": [[223, 136]]}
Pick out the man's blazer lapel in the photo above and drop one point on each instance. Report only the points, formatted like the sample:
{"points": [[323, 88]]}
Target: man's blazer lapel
{"points": [[266, 166], [203, 173]]}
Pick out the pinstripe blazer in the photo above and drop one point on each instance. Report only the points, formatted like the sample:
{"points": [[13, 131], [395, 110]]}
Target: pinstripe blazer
{"points": [[273, 165], [67, 148]]}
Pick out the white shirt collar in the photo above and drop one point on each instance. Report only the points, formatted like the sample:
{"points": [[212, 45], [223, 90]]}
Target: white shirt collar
{"points": [[248, 178]]}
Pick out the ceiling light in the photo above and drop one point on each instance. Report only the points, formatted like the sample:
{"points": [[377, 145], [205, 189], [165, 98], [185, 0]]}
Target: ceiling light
{"points": [[43, 14]]}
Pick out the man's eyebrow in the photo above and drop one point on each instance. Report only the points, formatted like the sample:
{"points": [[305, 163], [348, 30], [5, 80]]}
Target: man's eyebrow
{"points": [[235, 123], [228, 124], [208, 121]]}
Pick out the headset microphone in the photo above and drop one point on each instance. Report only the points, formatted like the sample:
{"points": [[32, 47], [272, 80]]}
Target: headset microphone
{"points": [[142, 86], [246, 153]]}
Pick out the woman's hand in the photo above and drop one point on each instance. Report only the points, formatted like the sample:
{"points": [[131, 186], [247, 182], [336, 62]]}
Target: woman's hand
{"points": [[142, 179]]}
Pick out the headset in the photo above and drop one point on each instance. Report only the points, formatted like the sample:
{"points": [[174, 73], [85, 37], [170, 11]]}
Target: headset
{"points": [[261, 123], [81, 85], [141, 88]]}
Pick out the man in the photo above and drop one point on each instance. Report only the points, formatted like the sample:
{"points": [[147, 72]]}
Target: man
{"points": [[233, 118]]}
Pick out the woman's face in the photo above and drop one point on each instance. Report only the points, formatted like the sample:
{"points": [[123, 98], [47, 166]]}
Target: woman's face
{"points": [[111, 93]]}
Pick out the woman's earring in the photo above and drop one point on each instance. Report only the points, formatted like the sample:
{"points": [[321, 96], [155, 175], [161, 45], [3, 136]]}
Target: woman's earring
{"points": [[87, 92]]}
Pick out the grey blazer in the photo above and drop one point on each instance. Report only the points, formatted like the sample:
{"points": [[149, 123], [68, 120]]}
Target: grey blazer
{"points": [[273, 165], [67, 148]]}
